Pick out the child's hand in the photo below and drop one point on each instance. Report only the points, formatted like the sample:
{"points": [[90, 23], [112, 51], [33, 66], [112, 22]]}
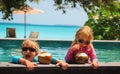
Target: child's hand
{"points": [[30, 65], [63, 64], [95, 65]]}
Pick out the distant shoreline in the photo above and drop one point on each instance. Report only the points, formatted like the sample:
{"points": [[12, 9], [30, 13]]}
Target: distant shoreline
{"points": [[40, 24]]}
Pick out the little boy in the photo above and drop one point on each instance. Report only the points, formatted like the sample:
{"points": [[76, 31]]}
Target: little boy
{"points": [[30, 51]]}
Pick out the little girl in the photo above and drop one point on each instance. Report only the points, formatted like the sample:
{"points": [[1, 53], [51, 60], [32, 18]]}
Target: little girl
{"points": [[82, 43], [29, 56]]}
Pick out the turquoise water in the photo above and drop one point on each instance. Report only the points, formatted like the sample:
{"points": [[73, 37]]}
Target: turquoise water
{"points": [[49, 32], [106, 51]]}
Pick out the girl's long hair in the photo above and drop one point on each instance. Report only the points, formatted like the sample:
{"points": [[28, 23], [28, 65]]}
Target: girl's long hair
{"points": [[83, 31]]}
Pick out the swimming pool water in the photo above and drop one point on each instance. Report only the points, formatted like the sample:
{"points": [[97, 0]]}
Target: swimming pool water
{"points": [[106, 51]]}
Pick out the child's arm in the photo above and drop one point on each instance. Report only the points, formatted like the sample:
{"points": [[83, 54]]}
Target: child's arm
{"points": [[30, 65], [69, 56], [94, 59], [60, 63]]}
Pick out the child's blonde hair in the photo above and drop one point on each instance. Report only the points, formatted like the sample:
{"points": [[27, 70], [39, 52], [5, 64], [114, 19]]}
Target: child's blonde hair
{"points": [[83, 31], [30, 43]]}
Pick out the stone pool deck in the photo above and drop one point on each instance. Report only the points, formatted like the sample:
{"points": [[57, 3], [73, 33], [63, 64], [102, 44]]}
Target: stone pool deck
{"points": [[105, 68]]}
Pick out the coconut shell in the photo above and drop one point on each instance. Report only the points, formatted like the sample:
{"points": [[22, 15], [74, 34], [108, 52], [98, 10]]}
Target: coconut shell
{"points": [[81, 58], [45, 58]]}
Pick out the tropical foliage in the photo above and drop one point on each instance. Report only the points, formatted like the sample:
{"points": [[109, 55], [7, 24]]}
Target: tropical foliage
{"points": [[7, 6], [105, 22], [104, 16]]}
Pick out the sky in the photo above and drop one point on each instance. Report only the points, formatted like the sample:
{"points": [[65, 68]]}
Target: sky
{"points": [[51, 16]]}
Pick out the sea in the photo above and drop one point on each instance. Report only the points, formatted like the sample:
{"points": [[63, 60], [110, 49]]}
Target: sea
{"points": [[46, 32]]}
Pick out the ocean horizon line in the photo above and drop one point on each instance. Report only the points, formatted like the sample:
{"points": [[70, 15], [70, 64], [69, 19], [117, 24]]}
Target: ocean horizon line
{"points": [[40, 24]]}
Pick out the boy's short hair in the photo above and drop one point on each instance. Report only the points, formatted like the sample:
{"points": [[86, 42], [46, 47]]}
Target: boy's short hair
{"points": [[30, 43]]}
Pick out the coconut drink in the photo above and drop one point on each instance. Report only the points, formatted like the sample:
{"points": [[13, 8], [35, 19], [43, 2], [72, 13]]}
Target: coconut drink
{"points": [[44, 58], [81, 58]]}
